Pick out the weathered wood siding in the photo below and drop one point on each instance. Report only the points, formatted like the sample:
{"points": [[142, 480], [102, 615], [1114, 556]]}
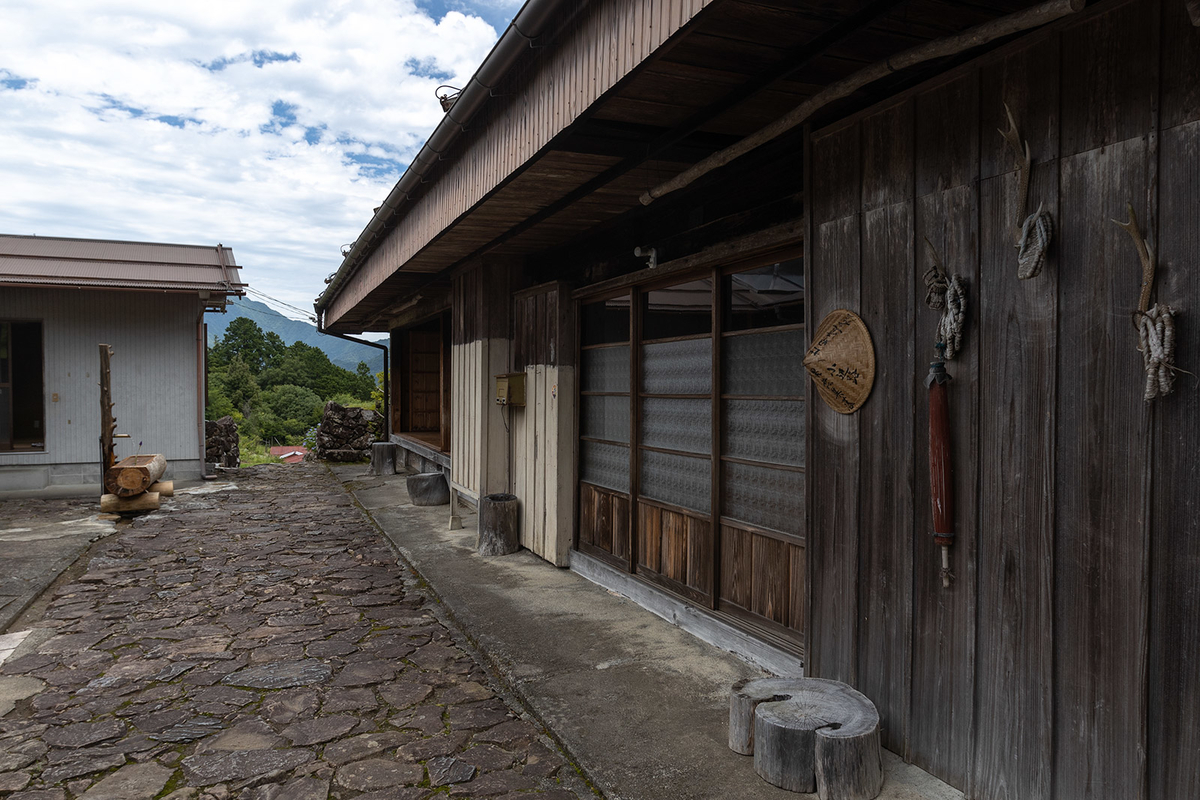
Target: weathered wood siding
{"points": [[1061, 662], [543, 431], [154, 371], [479, 351], [601, 45]]}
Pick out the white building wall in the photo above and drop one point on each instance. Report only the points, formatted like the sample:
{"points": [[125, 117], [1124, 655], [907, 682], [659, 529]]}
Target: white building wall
{"points": [[154, 380]]}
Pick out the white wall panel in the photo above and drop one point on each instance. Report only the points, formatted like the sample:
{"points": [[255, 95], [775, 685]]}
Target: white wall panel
{"points": [[154, 339]]}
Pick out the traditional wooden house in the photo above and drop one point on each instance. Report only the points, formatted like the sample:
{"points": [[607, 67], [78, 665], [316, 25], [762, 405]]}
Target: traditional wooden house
{"points": [[645, 207], [59, 300]]}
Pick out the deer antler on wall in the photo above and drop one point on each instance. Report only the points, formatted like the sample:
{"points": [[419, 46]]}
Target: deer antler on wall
{"points": [[1155, 325], [1034, 234]]}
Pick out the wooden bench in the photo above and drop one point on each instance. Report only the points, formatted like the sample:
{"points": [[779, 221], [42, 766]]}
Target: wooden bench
{"points": [[808, 734]]}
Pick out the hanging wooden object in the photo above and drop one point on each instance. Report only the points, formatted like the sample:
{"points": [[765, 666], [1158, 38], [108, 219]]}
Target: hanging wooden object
{"points": [[941, 488], [841, 361]]}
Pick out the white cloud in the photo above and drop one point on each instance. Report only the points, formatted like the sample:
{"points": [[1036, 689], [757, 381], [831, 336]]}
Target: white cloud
{"points": [[274, 128]]}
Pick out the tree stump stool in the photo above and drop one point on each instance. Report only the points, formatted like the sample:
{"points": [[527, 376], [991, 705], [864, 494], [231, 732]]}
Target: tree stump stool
{"points": [[808, 734], [383, 458], [498, 531], [428, 489]]}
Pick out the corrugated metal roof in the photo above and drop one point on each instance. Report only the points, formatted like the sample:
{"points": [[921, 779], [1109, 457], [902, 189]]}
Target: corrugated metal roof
{"points": [[50, 261]]}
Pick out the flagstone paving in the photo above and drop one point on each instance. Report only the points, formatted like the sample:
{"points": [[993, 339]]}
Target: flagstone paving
{"points": [[261, 642]]}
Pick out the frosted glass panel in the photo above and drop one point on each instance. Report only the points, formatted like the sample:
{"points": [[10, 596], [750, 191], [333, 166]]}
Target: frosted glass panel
{"points": [[764, 430], [606, 369], [683, 367], [605, 465], [764, 363], [677, 424], [605, 417], [771, 498], [682, 480]]}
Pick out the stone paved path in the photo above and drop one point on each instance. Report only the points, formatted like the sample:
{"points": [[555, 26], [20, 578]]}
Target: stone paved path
{"points": [[261, 643]]}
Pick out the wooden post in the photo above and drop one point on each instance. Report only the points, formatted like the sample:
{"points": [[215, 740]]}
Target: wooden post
{"points": [[455, 517], [108, 423]]}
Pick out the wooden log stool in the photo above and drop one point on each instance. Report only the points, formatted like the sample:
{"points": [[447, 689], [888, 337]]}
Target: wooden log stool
{"points": [[808, 734]]}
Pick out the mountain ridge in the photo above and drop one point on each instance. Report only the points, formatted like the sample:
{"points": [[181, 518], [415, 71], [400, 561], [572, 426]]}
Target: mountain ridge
{"points": [[344, 353]]}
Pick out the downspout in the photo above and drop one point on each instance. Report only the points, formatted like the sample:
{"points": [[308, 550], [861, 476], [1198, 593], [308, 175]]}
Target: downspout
{"points": [[202, 389], [527, 25], [387, 384]]}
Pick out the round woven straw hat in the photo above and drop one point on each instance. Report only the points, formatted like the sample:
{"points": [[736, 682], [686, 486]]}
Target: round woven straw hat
{"points": [[841, 361]]}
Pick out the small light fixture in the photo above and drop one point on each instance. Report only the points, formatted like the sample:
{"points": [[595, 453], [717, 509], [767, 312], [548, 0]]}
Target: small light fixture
{"points": [[648, 253]]}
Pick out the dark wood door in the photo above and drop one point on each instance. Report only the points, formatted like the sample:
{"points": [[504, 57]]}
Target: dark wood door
{"points": [[425, 380]]}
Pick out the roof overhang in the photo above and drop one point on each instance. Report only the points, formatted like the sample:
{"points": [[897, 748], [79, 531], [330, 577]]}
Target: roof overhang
{"points": [[538, 169], [57, 263]]}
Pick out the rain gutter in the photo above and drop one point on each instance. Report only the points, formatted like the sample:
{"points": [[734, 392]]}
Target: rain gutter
{"points": [[528, 24]]}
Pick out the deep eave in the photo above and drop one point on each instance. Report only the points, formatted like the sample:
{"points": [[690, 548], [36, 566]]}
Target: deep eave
{"points": [[728, 69]]}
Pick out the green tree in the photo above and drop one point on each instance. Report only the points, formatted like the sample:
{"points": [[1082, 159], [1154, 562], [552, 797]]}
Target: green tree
{"points": [[219, 404], [240, 386], [243, 338], [274, 350], [294, 404]]}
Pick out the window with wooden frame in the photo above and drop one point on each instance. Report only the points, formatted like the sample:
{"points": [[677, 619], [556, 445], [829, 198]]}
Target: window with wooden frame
{"points": [[692, 427], [22, 401]]}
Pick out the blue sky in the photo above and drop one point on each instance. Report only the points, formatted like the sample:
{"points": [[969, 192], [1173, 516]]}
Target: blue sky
{"points": [[274, 128]]}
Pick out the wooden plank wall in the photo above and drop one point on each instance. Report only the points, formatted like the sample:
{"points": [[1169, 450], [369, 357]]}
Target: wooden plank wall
{"points": [[543, 432], [467, 387], [1061, 662], [602, 44]]}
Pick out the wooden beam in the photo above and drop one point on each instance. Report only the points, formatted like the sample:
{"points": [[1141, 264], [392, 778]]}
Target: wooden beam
{"points": [[788, 233], [941, 48], [795, 59]]}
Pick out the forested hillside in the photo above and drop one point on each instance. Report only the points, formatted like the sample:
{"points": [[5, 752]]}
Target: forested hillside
{"points": [[276, 391], [341, 352]]}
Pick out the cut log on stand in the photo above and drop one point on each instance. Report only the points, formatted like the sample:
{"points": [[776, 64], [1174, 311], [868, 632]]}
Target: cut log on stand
{"points": [[111, 504], [809, 734], [134, 475], [498, 531], [164, 488]]}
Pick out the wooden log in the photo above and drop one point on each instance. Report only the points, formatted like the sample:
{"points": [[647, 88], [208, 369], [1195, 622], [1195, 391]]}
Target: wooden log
{"points": [[383, 458], [744, 697], [134, 475], [809, 734], [164, 488], [498, 530], [848, 761], [112, 504], [785, 739]]}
